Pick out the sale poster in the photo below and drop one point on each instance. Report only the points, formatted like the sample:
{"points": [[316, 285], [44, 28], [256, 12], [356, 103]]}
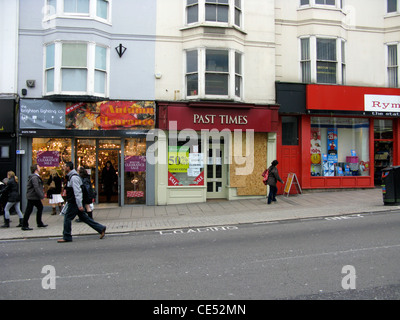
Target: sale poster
{"points": [[48, 158], [332, 145], [178, 158]]}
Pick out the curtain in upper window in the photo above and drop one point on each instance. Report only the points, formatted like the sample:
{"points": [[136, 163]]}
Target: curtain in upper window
{"points": [[393, 66], [326, 60]]}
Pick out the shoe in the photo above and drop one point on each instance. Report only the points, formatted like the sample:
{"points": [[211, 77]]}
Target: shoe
{"points": [[63, 241], [42, 225], [26, 229], [20, 223], [103, 233], [6, 223]]}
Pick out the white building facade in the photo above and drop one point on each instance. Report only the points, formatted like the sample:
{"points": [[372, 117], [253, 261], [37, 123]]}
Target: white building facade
{"points": [[337, 86]]}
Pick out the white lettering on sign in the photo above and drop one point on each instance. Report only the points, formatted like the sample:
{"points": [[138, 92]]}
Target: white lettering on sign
{"points": [[381, 103], [223, 119]]}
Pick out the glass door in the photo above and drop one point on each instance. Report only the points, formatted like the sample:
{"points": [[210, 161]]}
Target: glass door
{"points": [[216, 170], [108, 167]]}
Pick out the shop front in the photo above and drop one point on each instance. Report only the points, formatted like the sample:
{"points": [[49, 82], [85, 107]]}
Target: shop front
{"points": [[8, 158], [213, 150], [347, 136], [107, 138]]}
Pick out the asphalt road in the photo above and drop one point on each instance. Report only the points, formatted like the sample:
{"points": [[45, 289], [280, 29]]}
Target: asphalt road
{"points": [[353, 257]]}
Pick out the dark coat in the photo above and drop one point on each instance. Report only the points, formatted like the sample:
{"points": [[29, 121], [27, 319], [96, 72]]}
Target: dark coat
{"points": [[273, 176], [34, 188], [12, 191]]}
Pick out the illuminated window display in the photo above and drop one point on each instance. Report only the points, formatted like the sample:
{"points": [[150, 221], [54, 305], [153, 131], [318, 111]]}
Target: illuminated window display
{"points": [[339, 147], [135, 171], [49, 154]]}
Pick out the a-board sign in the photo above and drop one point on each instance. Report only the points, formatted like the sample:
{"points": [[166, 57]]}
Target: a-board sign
{"points": [[291, 178]]}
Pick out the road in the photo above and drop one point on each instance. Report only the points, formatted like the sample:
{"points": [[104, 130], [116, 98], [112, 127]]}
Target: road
{"points": [[301, 259]]}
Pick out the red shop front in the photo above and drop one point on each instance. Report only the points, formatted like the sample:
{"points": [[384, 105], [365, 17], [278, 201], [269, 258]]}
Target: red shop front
{"points": [[214, 150], [348, 135]]}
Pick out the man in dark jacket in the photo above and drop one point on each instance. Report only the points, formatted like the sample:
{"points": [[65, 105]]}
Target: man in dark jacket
{"points": [[273, 178], [34, 195], [75, 205]]}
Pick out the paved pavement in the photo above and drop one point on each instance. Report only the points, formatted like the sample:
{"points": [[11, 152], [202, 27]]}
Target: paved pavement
{"points": [[212, 213]]}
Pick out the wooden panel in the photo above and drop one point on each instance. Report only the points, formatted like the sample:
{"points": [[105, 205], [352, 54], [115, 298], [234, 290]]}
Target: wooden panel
{"points": [[250, 184]]}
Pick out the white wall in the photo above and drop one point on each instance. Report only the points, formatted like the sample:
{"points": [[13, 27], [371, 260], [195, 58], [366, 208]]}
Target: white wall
{"points": [[8, 46]]}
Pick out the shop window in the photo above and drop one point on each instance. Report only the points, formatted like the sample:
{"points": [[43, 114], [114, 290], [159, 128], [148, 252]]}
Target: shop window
{"points": [[186, 162], [383, 147], [339, 147], [51, 154], [135, 171], [4, 152]]}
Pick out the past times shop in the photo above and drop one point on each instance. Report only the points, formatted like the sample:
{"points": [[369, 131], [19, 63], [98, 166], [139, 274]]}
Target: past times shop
{"points": [[91, 134]]}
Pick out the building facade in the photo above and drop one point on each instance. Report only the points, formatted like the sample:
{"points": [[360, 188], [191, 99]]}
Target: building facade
{"points": [[215, 71], [337, 87], [8, 85], [86, 68]]}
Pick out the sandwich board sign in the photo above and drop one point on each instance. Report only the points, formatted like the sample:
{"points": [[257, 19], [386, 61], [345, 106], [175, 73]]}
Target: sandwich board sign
{"points": [[292, 179]]}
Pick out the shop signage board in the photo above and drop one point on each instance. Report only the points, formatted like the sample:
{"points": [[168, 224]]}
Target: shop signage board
{"points": [[103, 115], [291, 179]]}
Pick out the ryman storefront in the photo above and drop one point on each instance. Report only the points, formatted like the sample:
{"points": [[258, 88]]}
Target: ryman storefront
{"points": [[90, 135]]}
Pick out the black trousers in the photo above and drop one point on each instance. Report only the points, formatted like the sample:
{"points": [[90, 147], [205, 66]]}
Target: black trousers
{"points": [[29, 208]]}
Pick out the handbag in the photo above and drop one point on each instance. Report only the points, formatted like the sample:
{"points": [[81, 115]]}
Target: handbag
{"points": [[265, 176]]}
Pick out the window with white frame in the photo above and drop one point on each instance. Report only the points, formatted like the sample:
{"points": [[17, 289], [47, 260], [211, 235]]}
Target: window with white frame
{"points": [[392, 6], [322, 60], [393, 66], [76, 68], [96, 9], [329, 3], [228, 12], [220, 75]]}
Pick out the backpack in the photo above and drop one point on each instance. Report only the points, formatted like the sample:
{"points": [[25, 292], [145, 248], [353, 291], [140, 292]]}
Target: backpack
{"points": [[265, 175], [87, 191]]}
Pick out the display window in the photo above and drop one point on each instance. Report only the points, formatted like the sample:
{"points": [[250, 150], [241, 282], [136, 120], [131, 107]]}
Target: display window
{"points": [[186, 163], [339, 146], [135, 171], [50, 154]]}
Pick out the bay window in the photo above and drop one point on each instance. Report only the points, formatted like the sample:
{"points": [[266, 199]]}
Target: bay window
{"points": [[322, 60], [219, 11], [76, 68], [214, 72], [331, 3], [95, 9]]}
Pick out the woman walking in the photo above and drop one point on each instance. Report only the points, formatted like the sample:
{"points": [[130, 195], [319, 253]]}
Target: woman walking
{"points": [[273, 177], [13, 199]]}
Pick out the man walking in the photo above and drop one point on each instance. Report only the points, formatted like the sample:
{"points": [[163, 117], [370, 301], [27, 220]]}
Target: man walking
{"points": [[75, 206], [34, 195]]}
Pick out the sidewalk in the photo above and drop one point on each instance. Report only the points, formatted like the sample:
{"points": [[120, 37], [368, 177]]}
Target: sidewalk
{"points": [[211, 213]]}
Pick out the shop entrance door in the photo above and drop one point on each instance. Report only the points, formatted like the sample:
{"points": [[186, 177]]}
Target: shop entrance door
{"points": [[93, 155], [216, 170], [108, 176]]}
